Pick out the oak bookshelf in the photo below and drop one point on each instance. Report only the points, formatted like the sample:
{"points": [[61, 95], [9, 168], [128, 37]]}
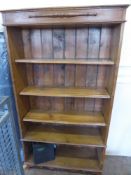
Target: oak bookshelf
{"points": [[64, 64]]}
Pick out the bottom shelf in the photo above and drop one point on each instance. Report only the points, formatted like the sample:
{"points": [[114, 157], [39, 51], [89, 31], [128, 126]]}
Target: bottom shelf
{"points": [[71, 160]]}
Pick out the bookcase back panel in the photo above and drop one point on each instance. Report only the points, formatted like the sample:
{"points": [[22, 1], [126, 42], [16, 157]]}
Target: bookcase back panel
{"points": [[66, 104], [87, 43], [66, 43], [92, 43]]}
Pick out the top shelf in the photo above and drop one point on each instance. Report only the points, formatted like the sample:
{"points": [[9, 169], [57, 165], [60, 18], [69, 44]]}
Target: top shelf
{"points": [[66, 61]]}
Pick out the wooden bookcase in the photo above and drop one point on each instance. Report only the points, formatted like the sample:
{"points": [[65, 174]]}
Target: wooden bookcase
{"points": [[64, 64]]}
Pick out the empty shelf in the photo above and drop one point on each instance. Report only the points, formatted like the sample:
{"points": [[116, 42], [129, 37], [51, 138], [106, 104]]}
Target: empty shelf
{"points": [[69, 164], [66, 61], [70, 118], [63, 136], [65, 92]]}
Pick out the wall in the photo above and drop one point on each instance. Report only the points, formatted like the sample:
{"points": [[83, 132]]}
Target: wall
{"points": [[119, 140]]}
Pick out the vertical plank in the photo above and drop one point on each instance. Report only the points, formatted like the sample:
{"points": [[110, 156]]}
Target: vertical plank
{"points": [[98, 105], [42, 103], [29, 67], [105, 53], [105, 43], [58, 47], [47, 70], [105, 47], [59, 70], [27, 51], [91, 74], [36, 52], [81, 52], [94, 43], [47, 53], [36, 49], [69, 69], [42, 48]]}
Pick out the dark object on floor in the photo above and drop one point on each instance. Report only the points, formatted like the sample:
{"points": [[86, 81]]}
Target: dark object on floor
{"points": [[43, 152]]}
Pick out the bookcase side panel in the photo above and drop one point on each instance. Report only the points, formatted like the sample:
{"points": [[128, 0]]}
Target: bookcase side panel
{"points": [[18, 72]]}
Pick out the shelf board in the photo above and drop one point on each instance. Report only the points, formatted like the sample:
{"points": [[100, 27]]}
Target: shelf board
{"points": [[68, 118], [65, 92], [62, 136], [66, 61], [68, 163]]}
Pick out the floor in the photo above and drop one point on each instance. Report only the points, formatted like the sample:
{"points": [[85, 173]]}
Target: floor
{"points": [[113, 166]]}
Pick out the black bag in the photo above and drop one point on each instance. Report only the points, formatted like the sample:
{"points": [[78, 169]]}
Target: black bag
{"points": [[43, 152]]}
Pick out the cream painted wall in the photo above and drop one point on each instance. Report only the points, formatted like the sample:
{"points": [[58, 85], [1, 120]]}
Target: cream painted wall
{"points": [[119, 140]]}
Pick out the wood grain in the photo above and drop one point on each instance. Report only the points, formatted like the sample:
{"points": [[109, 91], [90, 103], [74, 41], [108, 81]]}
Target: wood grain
{"points": [[69, 154], [62, 136], [81, 52], [18, 73], [91, 72], [27, 52], [70, 60], [65, 92], [69, 69], [68, 163], [59, 70], [67, 118], [117, 36], [105, 15], [47, 53], [36, 52]]}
